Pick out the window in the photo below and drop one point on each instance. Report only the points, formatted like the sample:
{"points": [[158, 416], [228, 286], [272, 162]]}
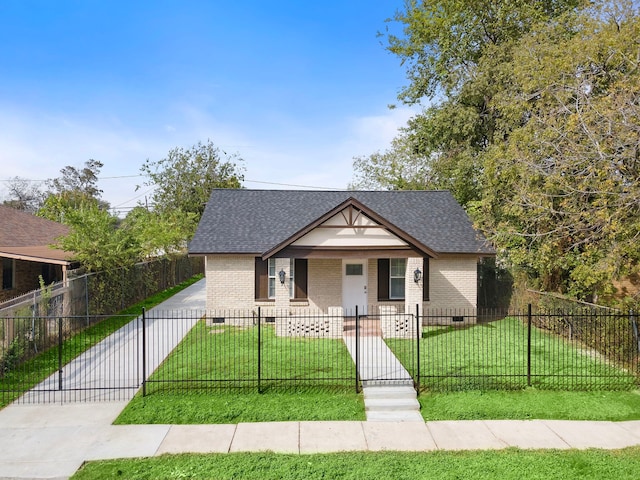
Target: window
{"points": [[7, 273], [354, 269], [391, 273], [273, 277], [267, 279], [397, 270]]}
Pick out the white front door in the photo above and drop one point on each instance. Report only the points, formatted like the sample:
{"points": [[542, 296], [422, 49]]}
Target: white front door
{"points": [[354, 286]]}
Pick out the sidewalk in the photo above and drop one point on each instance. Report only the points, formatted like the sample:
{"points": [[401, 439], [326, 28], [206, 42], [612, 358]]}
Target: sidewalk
{"points": [[53, 440]]}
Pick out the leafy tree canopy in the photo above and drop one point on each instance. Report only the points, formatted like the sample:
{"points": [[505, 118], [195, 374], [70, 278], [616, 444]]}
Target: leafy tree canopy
{"points": [[533, 126], [184, 180], [96, 240], [24, 195], [75, 189]]}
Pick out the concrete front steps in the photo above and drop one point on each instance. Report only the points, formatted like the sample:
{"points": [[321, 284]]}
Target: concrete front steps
{"points": [[391, 403]]}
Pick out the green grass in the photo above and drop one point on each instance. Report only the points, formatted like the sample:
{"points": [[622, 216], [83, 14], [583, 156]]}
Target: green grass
{"points": [[228, 407], [493, 356], [217, 369], [504, 464], [36, 369], [531, 404]]}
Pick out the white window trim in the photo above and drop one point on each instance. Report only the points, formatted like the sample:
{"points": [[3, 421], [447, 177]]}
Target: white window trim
{"points": [[392, 277], [273, 279]]}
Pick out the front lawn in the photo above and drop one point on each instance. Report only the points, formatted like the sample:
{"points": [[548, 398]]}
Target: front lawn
{"points": [[531, 404], [230, 407], [215, 376], [510, 464], [493, 356]]}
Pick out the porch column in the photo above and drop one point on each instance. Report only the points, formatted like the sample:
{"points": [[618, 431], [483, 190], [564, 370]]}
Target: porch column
{"points": [[282, 290], [412, 289]]}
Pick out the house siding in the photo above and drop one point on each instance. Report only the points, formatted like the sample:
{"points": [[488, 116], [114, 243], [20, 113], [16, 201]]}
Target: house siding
{"points": [[325, 283], [454, 288], [231, 284]]}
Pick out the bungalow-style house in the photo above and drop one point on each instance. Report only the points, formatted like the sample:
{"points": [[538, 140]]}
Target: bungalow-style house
{"points": [[287, 250], [26, 252]]}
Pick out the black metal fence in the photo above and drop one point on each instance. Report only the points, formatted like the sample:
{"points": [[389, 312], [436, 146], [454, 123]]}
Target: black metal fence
{"points": [[184, 351], [64, 359], [241, 350], [582, 349]]}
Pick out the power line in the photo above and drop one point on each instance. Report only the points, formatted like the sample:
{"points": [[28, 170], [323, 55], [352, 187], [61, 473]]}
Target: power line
{"points": [[6, 180], [291, 185]]}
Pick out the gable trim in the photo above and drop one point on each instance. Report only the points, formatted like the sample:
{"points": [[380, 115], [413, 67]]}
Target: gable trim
{"points": [[414, 244]]}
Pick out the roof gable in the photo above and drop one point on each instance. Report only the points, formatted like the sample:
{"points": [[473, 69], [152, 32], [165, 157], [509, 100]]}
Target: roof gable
{"points": [[360, 225]]}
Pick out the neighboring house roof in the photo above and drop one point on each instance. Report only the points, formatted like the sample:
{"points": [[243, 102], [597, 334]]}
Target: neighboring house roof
{"points": [[259, 221], [27, 237]]}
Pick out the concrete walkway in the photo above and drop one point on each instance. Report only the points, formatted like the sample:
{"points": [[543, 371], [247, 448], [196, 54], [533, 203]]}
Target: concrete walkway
{"points": [[111, 370], [386, 385], [53, 440]]}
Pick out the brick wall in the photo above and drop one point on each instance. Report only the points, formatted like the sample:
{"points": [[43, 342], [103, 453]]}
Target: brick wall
{"points": [[454, 288], [26, 279], [231, 283], [325, 283]]}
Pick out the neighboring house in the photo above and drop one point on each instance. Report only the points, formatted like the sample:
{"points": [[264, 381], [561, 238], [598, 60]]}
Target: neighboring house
{"points": [[294, 250], [26, 254]]}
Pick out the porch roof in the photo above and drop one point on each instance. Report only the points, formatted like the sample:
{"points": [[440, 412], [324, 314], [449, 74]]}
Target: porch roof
{"points": [[265, 222], [42, 254]]}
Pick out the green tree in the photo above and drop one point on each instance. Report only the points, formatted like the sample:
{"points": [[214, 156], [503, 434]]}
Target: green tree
{"points": [[183, 181], [533, 126], [83, 180], [74, 190], [454, 51], [24, 195], [159, 233], [561, 193], [96, 241], [398, 168]]}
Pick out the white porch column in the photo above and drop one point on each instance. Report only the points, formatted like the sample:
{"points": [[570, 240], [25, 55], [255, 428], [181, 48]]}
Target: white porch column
{"points": [[413, 290], [282, 290]]}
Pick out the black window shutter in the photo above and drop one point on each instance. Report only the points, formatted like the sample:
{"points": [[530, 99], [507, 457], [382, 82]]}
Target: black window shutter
{"points": [[383, 279], [262, 278], [425, 279], [300, 276]]}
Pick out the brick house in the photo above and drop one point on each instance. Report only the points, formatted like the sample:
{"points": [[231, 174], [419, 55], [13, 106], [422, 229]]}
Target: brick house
{"points": [[299, 250], [26, 252]]}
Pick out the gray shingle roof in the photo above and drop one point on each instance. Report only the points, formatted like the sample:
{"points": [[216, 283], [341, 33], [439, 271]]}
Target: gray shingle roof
{"points": [[254, 221]]}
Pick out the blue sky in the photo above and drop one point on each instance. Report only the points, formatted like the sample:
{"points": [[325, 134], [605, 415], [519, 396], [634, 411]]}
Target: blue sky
{"points": [[296, 88]]}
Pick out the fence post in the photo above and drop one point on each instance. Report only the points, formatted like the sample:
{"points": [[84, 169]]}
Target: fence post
{"points": [[144, 352], [260, 350], [59, 353], [529, 345], [357, 351], [86, 296], [634, 324], [418, 335]]}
